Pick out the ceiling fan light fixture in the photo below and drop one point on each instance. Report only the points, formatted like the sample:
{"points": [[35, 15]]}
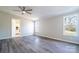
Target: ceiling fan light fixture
{"points": [[23, 12]]}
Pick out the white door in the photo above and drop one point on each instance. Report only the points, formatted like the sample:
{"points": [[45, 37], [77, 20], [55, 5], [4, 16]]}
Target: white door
{"points": [[13, 28]]}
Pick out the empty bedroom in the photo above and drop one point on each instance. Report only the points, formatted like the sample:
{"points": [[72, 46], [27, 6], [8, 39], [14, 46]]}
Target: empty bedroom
{"points": [[39, 29]]}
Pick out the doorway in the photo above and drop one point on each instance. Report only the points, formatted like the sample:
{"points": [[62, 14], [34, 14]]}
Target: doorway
{"points": [[15, 28]]}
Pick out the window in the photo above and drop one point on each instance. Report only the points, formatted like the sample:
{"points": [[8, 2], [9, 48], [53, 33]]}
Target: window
{"points": [[70, 25]]}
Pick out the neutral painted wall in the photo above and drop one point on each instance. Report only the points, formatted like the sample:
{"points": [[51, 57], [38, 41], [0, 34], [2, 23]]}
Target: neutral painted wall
{"points": [[53, 28], [6, 25], [26, 27]]}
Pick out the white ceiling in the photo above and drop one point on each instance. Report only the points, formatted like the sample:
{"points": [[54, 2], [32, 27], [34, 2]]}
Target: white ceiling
{"points": [[41, 11]]}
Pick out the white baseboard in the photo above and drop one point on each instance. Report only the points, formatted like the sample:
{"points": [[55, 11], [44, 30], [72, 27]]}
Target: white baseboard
{"points": [[70, 41], [12, 37], [5, 38]]}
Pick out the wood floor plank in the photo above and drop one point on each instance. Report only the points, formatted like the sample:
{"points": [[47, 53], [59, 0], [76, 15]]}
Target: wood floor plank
{"points": [[24, 46], [35, 44], [0, 45], [4, 48]]}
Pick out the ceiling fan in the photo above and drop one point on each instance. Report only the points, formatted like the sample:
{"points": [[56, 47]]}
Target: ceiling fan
{"points": [[23, 10]]}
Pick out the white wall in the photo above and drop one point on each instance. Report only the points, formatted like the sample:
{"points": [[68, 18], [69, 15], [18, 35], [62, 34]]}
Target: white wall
{"points": [[53, 28], [50, 27], [26, 27], [6, 25]]}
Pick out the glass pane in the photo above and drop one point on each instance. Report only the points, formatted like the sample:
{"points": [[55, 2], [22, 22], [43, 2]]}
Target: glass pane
{"points": [[70, 25]]}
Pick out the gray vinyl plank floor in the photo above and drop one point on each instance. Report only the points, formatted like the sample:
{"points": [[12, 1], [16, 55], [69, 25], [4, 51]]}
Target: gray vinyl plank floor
{"points": [[36, 44]]}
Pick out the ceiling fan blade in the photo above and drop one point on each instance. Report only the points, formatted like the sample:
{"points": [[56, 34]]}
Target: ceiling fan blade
{"points": [[29, 10], [24, 8], [17, 10], [21, 7]]}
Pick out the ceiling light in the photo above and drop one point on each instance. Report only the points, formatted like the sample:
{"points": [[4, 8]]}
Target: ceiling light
{"points": [[23, 12]]}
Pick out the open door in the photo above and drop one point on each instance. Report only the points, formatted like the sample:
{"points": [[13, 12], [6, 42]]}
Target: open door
{"points": [[15, 28]]}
